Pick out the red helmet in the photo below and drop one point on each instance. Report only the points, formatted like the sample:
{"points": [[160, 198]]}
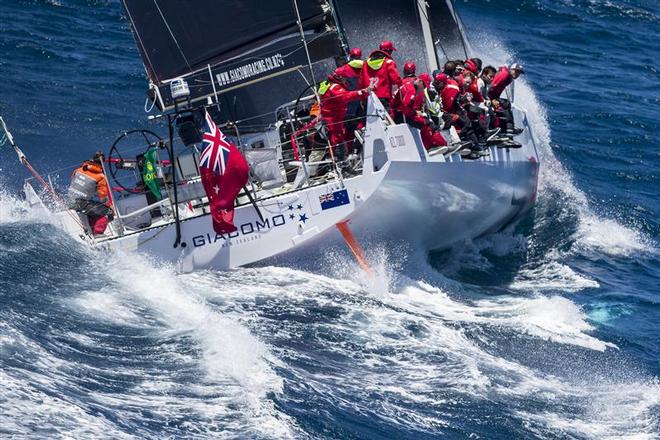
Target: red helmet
{"points": [[441, 78], [387, 46], [356, 52], [472, 66], [426, 79], [409, 68]]}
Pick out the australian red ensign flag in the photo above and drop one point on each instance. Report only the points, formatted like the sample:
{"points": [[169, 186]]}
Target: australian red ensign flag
{"points": [[224, 172]]}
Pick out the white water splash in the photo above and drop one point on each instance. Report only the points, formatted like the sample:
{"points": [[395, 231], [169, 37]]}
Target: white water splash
{"points": [[594, 232], [417, 344], [238, 367]]}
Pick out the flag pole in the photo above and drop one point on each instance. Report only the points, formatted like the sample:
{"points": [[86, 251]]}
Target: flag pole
{"points": [[354, 246]]}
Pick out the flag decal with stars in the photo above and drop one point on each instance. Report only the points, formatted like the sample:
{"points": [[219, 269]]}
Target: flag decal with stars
{"points": [[334, 199]]}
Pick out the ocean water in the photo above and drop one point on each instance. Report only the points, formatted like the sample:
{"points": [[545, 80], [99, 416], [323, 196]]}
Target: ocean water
{"points": [[549, 330]]}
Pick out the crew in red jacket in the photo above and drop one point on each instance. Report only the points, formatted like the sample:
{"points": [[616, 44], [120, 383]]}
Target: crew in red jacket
{"points": [[409, 100], [449, 93], [382, 68], [452, 103], [352, 71], [335, 98], [504, 77], [406, 99], [501, 81]]}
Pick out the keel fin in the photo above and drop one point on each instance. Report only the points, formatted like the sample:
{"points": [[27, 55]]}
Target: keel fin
{"points": [[354, 246]]}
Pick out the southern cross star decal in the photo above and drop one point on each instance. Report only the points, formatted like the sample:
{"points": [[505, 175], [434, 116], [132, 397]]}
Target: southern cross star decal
{"points": [[303, 217], [299, 207], [292, 216], [290, 207]]}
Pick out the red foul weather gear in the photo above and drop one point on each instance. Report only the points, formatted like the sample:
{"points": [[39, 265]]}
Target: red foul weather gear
{"points": [[334, 106], [409, 101], [471, 66], [500, 82], [476, 93], [351, 71], [383, 68], [449, 95]]}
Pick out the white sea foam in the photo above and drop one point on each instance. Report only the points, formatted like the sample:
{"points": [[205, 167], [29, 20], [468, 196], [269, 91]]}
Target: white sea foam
{"points": [[595, 232], [551, 276], [12, 209], [415, 347]]}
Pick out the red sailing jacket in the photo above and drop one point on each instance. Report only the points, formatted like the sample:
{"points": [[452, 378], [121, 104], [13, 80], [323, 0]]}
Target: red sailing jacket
{"points": [[407, 100], [500, 82], [334, 102], [449, 95], [382, 67], [352, 69]]}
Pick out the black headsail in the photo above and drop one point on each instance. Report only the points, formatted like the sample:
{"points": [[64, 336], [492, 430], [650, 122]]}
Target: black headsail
{"points": [[447, 30], [220, 46]]}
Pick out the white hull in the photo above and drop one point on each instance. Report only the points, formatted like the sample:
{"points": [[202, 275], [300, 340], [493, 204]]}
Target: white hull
{"points": [[403, 195]]}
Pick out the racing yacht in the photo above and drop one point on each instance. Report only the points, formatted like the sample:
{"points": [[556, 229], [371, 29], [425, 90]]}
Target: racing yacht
{"points": [[255, 69]]}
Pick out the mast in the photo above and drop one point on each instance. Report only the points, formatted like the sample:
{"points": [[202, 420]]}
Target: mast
{"points": [[431, 52]]}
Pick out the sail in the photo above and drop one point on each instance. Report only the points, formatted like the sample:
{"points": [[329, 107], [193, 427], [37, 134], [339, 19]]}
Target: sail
{"points": [[368, 22], [222, 45], [427, 32], [447, 31]]}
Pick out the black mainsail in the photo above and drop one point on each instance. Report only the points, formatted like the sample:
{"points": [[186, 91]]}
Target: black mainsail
{"points": [[220, 46]]}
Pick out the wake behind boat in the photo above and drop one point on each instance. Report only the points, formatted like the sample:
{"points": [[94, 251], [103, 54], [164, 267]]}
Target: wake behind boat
{"points": [[301, 194]]}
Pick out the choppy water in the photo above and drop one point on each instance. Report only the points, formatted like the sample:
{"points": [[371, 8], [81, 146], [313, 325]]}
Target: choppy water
{"points": [[547, 331]]}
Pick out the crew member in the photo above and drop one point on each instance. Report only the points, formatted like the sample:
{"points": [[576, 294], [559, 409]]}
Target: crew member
{"points": [[501, 81], [410, 103], [335, 98], [381, 68], [485, 80], [89, 194], [483, 85], [352, 71], [473, 65], [453, 103]]}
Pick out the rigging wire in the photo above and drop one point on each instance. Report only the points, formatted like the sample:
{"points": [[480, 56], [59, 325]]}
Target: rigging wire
{"points": [[172, 35]]}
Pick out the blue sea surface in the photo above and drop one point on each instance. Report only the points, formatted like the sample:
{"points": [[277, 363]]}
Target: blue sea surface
{"points": [[549, 330]]}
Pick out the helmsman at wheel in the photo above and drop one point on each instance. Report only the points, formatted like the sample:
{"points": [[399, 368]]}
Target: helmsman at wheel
{"points": [[89, 194]]}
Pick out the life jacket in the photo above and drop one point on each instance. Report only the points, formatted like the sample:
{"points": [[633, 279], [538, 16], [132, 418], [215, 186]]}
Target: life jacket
{"points": [[88, 181], [433, 105]]}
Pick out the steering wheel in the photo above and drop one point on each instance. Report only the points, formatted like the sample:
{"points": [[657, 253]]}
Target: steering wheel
{"points": [[116, 160]]}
